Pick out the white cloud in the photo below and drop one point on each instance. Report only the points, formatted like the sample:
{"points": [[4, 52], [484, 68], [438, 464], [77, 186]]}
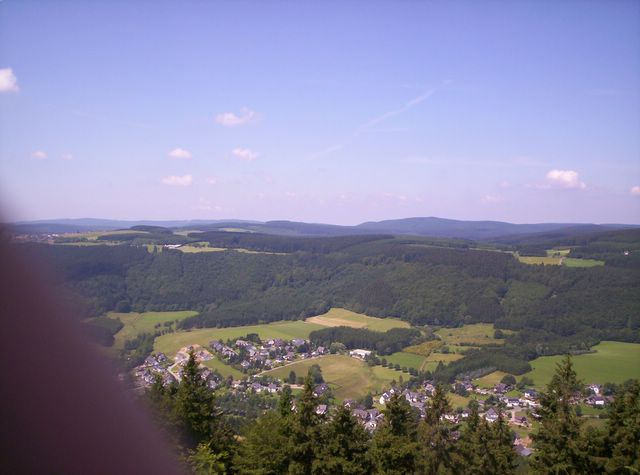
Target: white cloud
{"points": [[39, 154], [635, 190], [230, 119], [174, 180], [290, 194], [180, 153], [212, 180], [8, 81], [565, 179], [67, 156], [244, 154], [491, 199]]}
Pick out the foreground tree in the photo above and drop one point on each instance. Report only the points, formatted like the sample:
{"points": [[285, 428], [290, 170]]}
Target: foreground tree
{"points": [[187, 410], [560, 445], [623, 430], [265, 448], [394, 448], [434, 436], [344, 450]]}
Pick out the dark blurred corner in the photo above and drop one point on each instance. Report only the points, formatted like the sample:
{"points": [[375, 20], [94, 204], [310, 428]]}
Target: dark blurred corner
{"points": [[61, 409]]}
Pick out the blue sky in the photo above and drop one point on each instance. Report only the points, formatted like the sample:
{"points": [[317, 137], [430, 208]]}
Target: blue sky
{"points": [[337, 112]]}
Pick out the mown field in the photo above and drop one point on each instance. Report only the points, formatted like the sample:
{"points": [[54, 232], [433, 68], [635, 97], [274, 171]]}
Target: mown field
{"points": [[138, 323], [476, 334], [557, 257], [490, 380], [349, 377], [172, 342], [337, 317], [223, 368], [613, 362]]}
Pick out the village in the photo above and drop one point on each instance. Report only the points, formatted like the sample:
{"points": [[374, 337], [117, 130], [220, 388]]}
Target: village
{"points": [[253, 356]]}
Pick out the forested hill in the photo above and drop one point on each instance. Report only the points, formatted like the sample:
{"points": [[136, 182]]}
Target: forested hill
{"points": [[420, 226], [553, 307]]}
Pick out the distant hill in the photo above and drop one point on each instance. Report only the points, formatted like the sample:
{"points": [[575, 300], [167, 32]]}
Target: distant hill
{"points": [[427, 226]]}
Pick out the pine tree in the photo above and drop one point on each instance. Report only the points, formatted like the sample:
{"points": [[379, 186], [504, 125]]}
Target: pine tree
{"points": [[485, 448], [304, 433], [265, 448], [394, 447], [623, 430], [435, 435], [344, 451], [559, 444]]}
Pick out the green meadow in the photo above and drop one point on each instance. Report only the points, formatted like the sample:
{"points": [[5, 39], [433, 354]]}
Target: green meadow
{"points": [[337, 317], [138, 323], [613, 362], [349, 377], [287, 330]]}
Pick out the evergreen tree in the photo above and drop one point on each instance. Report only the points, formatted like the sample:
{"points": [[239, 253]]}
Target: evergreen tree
{"points": [[623, 430], [344, 451], [559, 444], [265, 449], [435, 435], [394, 447], [304, 433], [485, 448]]}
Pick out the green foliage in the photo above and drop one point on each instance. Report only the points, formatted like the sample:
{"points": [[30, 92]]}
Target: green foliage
{"points": [[560, 444], [485, 448], [394, 447], [623, 430], [508, 379], [385, 343]]}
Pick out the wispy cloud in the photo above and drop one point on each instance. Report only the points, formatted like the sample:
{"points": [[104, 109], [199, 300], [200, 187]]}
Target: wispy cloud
{"points": [[212, 180], [565, 179], [174, 180], [180, 153], [230, 119], [492, 199], [244, 154], [8, 81], [635, 190], [39, 154], [66, 156], [392, 113], [322, 153]]}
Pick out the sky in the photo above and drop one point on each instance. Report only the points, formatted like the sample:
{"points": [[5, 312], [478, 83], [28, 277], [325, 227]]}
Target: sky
{"points": [[332, 112]]}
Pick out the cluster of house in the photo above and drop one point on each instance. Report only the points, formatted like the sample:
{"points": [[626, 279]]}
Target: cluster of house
{"points": [[262, 355], [154, 365]]}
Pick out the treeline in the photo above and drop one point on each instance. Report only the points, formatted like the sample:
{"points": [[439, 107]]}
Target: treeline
{"points": [[384, 343], [554, 309], [296, 438], [285, 244]]}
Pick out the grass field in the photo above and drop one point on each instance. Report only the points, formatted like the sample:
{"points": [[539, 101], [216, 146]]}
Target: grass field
{"points": [[223, 368], [172, 342], [547, 261], [571, 262], [93, 235], [476, 334], [337, 317], [190, 249], [349, 377], [138, 323], [490, 380], [556, 257], [613, 362], [408, 360], [425, 348], [433, 359]]}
